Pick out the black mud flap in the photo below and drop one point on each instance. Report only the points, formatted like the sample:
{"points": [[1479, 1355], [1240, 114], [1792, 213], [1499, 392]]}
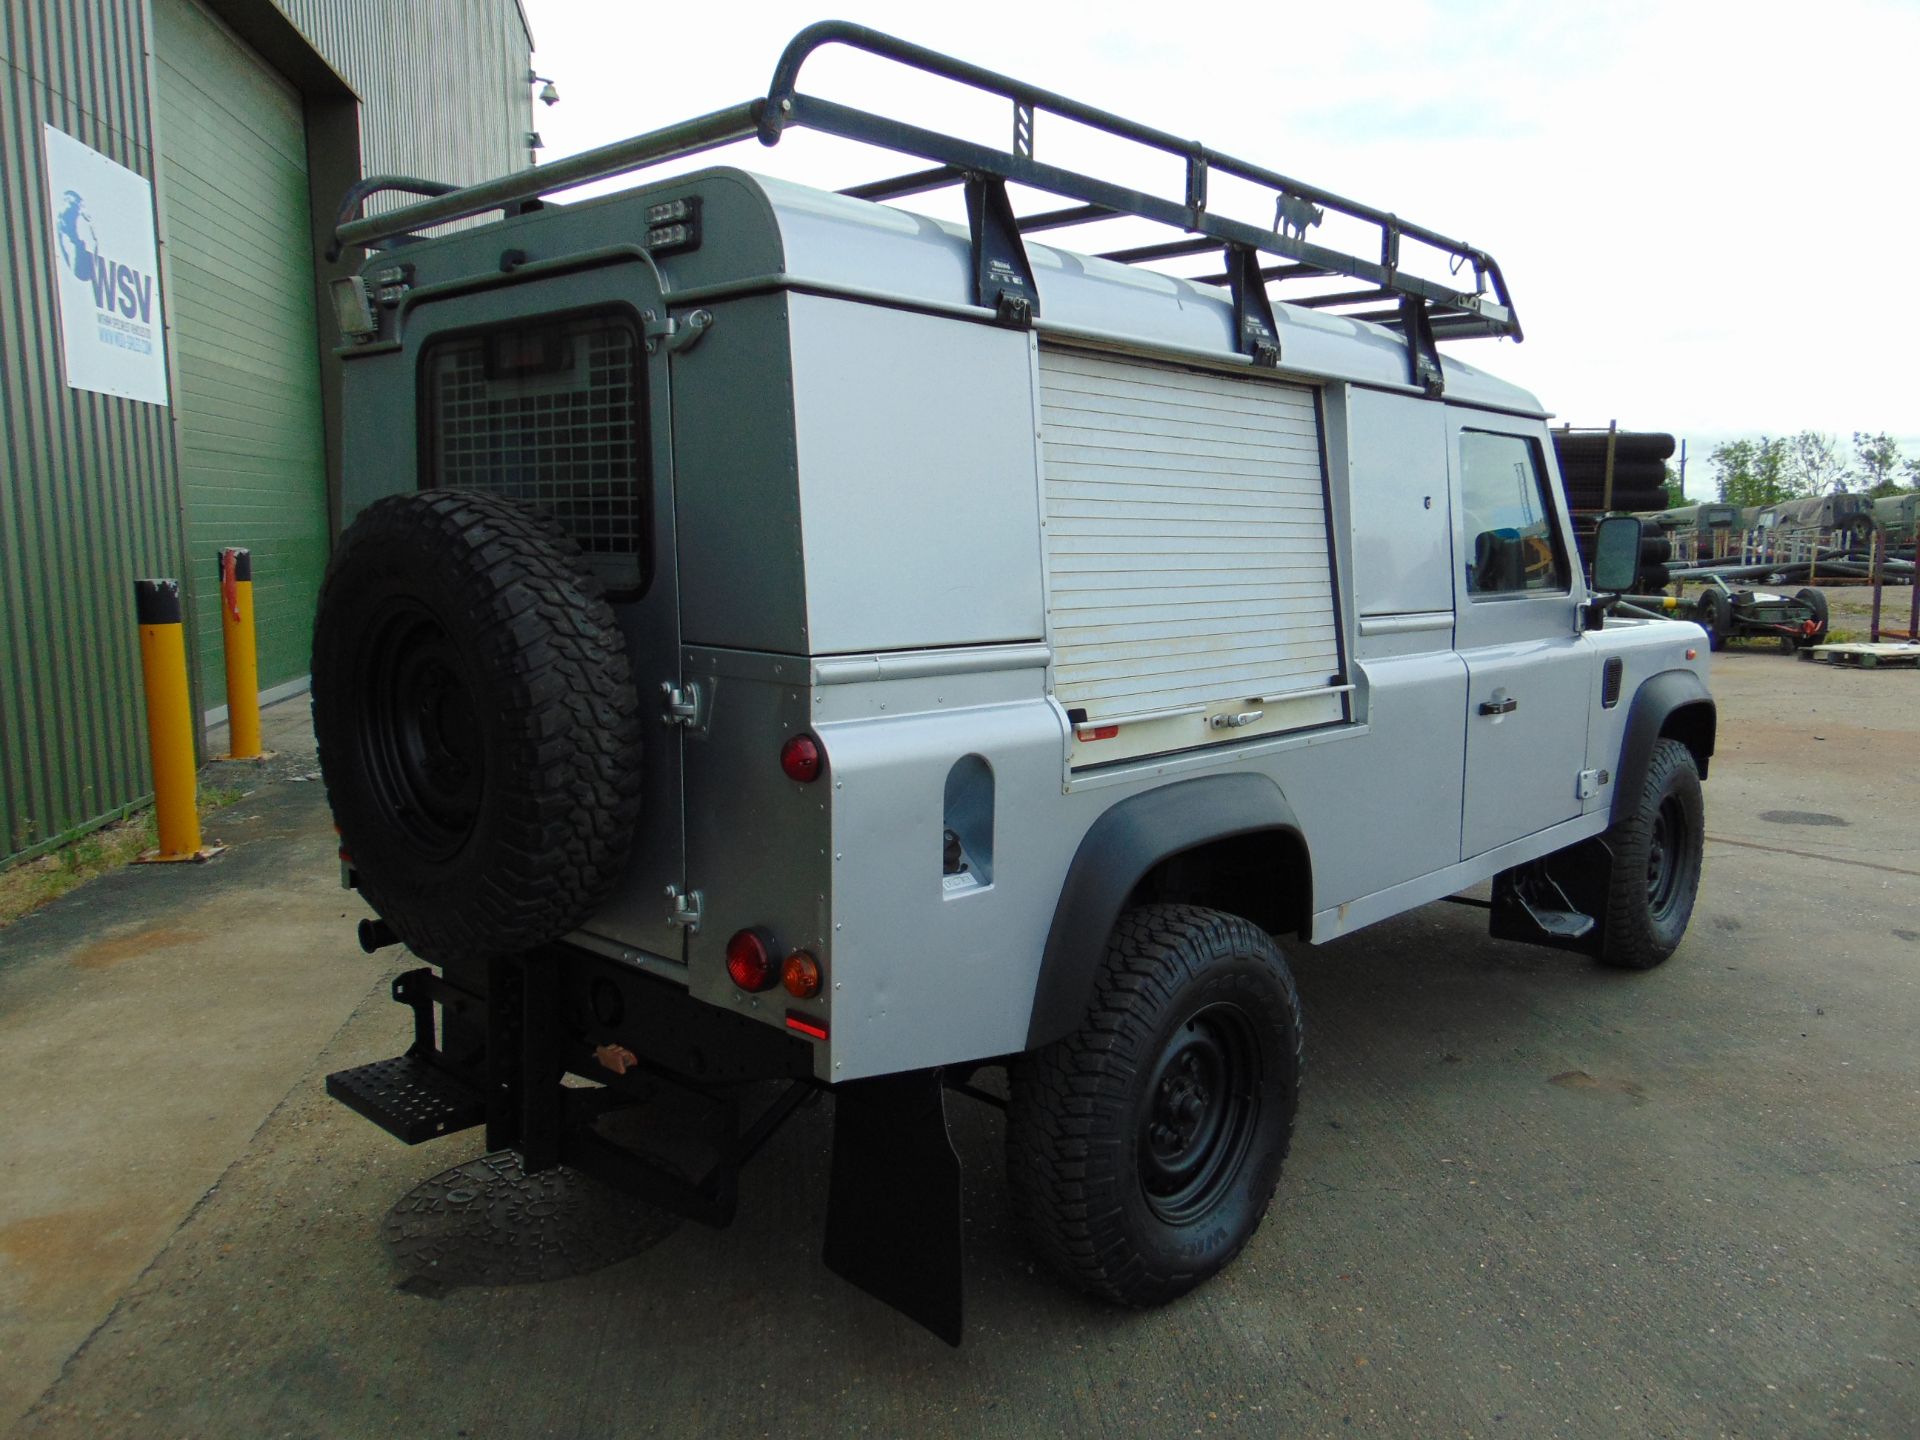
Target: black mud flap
{"points": [[1559, 900], [894, 1222]]}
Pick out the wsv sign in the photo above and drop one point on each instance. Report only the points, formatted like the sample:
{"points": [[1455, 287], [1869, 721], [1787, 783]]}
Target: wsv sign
{"points": [[116, 287], [111, 324]]}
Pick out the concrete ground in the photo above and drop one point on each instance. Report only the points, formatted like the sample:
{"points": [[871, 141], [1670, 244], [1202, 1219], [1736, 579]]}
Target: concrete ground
{"points": [[1528, 1197]]}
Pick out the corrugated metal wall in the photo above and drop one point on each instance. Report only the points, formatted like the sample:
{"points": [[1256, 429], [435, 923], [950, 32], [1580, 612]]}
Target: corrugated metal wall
{"points": [[434, 80], [89, 488], [89, 499]]}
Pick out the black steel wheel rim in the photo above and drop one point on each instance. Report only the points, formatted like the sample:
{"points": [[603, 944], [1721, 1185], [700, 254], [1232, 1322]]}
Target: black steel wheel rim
{"points": [[1202, 1109], [419, 730], [1666, 858]]}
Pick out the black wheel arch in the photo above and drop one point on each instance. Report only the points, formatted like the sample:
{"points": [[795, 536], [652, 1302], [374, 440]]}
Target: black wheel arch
{"points": [[1231, 842], [1673, 705]]}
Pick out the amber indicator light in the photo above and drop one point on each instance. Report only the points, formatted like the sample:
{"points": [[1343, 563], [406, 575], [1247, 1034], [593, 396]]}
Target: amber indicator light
{"points": [[801, 975]]}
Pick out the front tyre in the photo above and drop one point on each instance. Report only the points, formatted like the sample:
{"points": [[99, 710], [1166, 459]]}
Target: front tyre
{"points": [[1144, 1148], [1657, 853]]}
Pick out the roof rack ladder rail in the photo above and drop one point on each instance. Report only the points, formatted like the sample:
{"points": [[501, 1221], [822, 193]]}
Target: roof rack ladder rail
{"points": [[671, 142]]}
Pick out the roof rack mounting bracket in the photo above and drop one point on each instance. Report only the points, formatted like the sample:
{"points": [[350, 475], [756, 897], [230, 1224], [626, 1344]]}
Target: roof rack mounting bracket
{"points": [[1002, 272], [1423, 355], [1254, 330]]}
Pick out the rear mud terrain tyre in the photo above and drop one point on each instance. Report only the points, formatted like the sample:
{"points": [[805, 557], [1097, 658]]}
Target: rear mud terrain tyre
{"points": [[1143, 1149], [1657, 853], [477, 721]]}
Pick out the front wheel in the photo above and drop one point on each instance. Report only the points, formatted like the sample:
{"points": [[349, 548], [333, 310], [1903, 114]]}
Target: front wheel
{"points": [[1144, 1148], [1657, 856]]}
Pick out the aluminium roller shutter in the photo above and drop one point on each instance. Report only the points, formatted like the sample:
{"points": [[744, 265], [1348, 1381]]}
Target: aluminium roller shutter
{"points": [[244, 336], [1189, 570]]}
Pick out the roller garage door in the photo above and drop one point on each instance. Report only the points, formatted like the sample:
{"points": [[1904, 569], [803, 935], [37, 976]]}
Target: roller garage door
{"points": [[1189, 570], [244, 339]]}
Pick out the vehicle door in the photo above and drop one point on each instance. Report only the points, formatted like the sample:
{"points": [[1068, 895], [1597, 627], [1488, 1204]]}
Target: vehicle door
{"points": [[551, 393], [1529, 668]]}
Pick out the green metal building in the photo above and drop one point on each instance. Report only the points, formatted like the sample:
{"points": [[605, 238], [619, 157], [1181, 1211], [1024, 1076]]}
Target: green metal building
{"points": [[248, 119]]}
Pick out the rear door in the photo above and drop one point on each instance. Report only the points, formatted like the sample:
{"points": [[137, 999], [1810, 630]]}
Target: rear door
{"points": [[551, 394], [1529, 664]]}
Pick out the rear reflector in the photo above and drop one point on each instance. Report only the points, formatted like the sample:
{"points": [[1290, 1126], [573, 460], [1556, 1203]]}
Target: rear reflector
{"points": [[1095, 732], [806, 1025]]}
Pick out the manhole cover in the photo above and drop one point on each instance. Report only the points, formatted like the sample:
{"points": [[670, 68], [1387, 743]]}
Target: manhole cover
{"points": [[489, 1223], [1800, 817]]}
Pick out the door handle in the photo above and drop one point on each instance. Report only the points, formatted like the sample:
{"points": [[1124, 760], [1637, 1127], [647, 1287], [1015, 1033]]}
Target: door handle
{"points": [[1505, 705]]}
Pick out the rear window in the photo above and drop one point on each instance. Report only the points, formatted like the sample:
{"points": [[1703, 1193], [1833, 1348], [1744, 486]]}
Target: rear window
{"points": [[550, 415]]}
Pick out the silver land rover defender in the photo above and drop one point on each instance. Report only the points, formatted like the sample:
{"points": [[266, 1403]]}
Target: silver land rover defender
{"points": [[784, 642]]}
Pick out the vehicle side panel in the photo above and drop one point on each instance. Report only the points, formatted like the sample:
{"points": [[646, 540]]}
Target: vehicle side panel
{"points": [[914, 440]]}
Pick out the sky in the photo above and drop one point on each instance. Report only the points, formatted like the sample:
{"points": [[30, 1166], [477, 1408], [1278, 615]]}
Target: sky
{"points": [[1702, 211]]}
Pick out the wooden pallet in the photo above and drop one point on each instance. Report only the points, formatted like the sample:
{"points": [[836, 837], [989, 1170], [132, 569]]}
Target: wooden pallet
{"points": [[1865, 657]]}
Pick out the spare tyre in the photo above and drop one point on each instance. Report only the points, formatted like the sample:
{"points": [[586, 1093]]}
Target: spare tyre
{"points": [[478, 726]]}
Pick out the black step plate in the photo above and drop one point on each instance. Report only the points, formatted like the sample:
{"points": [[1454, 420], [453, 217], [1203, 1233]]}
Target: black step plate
{"points": [[409, 1098]]}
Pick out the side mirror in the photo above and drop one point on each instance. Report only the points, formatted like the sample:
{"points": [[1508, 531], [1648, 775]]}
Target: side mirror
{"points": [[1616, 555]]}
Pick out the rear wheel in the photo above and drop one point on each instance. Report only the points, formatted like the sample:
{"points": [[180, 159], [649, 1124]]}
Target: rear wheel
{"points": [[1144, 1148], [1657, 857]]}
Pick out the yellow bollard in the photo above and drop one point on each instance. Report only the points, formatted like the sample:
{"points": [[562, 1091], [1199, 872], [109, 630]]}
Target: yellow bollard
{"points": [[243, 669], [163, 662]]}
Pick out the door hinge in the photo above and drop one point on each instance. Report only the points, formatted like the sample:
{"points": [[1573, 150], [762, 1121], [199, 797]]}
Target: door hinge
{"points": [[686, 908], [679, 333], [1590, 783], [682, 704]]}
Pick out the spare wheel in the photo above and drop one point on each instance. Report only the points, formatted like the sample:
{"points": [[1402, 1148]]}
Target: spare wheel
{"points": [[478, 726]]}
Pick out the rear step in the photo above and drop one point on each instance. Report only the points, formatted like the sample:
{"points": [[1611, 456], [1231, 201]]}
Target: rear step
{"points": [[409, 1097], [412, 1097]]}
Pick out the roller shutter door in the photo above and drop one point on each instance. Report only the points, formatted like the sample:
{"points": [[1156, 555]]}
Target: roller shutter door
{"points": [[244, 340], [1190, 587]]}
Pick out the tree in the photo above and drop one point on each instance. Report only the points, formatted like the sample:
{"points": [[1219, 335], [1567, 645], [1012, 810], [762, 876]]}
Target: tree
{"points": [[1751, 472], [1880, 461], [1815, 465]]}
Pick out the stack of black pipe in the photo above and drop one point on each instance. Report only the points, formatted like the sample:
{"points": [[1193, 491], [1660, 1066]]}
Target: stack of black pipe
{"points": [[1639, 475]]}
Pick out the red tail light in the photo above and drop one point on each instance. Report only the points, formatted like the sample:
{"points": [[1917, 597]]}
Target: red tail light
{"points": [[800, 758], [750, 962]]}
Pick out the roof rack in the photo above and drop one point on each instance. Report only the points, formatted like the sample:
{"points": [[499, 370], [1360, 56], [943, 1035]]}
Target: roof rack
{"points": [[1424, 310]]}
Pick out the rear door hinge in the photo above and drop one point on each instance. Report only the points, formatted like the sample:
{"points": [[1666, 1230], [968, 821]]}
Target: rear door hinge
{"points": [[680, 333], [683, 704], [686, 911]]}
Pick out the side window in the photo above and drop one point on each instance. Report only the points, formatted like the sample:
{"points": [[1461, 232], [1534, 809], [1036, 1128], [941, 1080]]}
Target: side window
{"points": [[1512, 546]]}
